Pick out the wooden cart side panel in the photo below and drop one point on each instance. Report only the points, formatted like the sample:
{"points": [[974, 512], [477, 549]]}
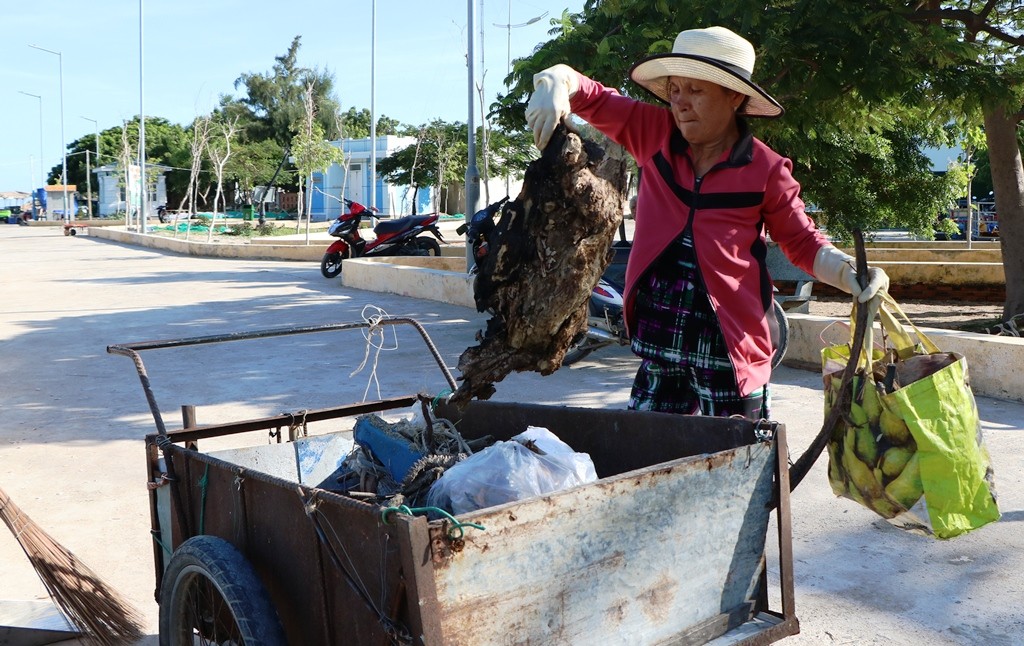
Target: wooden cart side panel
{"points": [[265, 518], [616, 440], [640, 558]]}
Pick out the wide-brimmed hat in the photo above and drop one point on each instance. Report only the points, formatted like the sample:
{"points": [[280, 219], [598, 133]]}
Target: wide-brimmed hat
{"points": [[714, 54]]}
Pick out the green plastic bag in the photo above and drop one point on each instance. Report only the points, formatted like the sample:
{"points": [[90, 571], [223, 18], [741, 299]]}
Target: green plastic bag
{"points": [[911, 448]]}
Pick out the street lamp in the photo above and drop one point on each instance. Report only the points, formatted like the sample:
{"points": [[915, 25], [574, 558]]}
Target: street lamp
{"points": [[88, 169], [472, 173], [142, 131], [42, 172], [509, 26], [63, 148]]}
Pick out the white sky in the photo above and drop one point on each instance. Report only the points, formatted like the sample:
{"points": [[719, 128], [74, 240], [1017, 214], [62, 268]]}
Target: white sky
{"points": [[195, 49]]}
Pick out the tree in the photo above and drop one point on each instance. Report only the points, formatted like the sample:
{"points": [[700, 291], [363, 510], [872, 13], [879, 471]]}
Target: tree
{"points": [[219, 150], [438, 158], [274, 102], [866, 86], [311, 151]]}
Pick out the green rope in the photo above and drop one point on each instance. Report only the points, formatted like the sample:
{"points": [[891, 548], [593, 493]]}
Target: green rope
{"points": [[456, 525], [203, 482], [440, 395], [156, 539]]}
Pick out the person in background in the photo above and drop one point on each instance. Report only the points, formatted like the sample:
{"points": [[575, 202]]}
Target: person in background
{"points": [[698, 293]]}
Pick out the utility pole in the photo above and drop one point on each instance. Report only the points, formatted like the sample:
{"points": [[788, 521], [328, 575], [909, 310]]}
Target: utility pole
{"points": [[88, 171], [472, 173]]}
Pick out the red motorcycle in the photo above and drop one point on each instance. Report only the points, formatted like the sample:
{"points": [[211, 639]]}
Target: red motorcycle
{"points": [[399, 237]]}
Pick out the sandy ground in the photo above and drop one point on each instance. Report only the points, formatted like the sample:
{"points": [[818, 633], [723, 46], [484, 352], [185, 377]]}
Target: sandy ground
{"points": [[73, 418]]}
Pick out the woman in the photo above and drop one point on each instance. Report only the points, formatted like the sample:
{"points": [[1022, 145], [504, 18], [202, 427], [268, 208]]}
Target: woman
{"points": [[698, 294]]}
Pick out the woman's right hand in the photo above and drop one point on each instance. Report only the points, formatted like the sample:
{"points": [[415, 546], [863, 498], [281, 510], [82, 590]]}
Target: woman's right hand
{"points": [[549, 103]]}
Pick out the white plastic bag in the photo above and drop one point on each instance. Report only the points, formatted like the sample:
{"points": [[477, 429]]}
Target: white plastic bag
{"points": [[509, 471]]}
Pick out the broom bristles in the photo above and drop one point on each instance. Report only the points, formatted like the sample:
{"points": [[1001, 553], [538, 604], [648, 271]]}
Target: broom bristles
{"points": [[89, 604]]}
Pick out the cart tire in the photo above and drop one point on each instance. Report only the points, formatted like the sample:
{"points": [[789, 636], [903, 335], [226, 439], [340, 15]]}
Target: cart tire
{"points": [[330, 266], [211, 594]]}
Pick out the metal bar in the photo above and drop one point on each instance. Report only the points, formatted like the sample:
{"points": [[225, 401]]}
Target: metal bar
{"points": [[785, 524], [186, 435], [132, 350], [420, 586]]}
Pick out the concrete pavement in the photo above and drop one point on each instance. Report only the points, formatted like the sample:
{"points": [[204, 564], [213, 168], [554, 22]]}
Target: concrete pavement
{"points": [[73, 418]]}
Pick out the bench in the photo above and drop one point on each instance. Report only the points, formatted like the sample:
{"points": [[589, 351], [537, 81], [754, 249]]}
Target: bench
{"points": [[781, 269]]}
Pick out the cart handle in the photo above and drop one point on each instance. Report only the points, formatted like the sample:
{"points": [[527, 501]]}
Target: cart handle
{"points": [[132, 350]]}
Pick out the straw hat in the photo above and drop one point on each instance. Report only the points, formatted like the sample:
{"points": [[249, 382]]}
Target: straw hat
{"points": [[714, 54]]}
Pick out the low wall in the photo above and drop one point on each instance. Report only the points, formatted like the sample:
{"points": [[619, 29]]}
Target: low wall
{"points": [[437, 279], [993, 360]]}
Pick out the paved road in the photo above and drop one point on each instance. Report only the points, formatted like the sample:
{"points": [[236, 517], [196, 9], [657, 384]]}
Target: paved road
{"points": [[73, 418]]}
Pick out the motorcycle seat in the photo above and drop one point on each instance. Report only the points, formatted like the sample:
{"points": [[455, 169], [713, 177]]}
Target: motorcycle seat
{"points": [[401, 224]]}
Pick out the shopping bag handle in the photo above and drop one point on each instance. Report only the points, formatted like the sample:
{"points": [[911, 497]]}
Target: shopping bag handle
{"points": [[897, 332]]}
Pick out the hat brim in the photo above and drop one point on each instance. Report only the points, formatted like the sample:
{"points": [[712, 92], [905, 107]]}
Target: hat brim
{"points": [[651, 73]]}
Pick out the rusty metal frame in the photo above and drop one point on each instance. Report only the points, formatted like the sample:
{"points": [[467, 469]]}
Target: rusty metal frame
{"points": [[411, 587]]}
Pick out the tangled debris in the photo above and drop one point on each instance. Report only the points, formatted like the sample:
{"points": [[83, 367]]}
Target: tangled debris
{"points": [[548, 251]]}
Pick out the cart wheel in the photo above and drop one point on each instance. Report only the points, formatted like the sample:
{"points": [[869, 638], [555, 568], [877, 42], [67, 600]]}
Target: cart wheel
{"points": [[211, 595]]}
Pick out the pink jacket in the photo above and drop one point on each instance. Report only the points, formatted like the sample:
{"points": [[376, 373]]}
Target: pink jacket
{"points": [[749, 190]]}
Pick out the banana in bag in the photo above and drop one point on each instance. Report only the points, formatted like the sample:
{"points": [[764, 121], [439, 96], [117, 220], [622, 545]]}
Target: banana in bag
{"points": [[910, 448]]}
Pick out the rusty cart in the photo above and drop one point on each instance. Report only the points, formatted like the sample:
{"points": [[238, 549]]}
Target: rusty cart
{"points": [[667, 547]]}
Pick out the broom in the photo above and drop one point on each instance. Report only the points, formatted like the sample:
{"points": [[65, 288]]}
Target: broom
{"points": [[85, 600]]}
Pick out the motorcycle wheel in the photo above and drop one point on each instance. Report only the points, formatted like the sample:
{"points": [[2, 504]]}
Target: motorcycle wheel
{"points": [[428, 245], [783, 341], [581, 349], [330, 266]]}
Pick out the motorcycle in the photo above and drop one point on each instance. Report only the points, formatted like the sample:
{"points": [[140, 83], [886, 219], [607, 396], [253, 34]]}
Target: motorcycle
{"points": [[605, 321], [399, 237]]}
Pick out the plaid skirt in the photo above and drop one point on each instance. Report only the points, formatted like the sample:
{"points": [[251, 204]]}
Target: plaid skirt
{"points": [[685, 366]]}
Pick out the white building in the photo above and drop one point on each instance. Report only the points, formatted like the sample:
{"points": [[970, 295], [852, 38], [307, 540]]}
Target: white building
{"points": [[111, 195]]}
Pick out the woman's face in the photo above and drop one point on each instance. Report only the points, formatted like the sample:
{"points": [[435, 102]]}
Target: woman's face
{"points": [[703, 111]]}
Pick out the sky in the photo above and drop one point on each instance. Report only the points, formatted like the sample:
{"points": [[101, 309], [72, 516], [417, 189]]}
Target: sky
{"points": [[192, 51]]}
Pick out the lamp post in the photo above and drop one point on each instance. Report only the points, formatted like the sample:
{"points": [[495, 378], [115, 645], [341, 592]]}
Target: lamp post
{"points": [[508, 60], [88, 169], [142, 132], [373, 114], [472, 173], [42, 172], [63, 148]]}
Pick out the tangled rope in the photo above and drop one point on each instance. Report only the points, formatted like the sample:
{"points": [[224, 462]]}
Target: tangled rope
{"points": [[375, 338]]}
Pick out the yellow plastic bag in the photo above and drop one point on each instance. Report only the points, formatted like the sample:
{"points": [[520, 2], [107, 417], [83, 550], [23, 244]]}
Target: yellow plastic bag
{"points": [[911, 448]]}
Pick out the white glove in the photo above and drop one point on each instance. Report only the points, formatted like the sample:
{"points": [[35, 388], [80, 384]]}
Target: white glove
{"points": [[549, 103], [836, 268]]}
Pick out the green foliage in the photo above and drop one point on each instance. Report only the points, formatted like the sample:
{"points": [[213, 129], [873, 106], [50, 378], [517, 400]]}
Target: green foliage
{"points": [[311, 151], [273, 103], [440, 156], [866, 86]]}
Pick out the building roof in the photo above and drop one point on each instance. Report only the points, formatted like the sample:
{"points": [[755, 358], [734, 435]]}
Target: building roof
{"points": [[14, 195], [60, 187]]}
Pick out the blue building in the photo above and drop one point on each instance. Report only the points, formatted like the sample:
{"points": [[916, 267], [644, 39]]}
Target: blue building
{"points": [[351, 180]]}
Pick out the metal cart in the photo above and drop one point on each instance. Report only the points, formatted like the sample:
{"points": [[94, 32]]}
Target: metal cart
{"points": [[667, 547]]}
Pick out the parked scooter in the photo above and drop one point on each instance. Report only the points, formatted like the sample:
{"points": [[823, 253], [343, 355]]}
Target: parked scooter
{"points": [[605, 323], [399, 237]]}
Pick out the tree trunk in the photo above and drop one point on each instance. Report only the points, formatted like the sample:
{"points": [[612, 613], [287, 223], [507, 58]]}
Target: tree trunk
{"points": [[1008, 182]]}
